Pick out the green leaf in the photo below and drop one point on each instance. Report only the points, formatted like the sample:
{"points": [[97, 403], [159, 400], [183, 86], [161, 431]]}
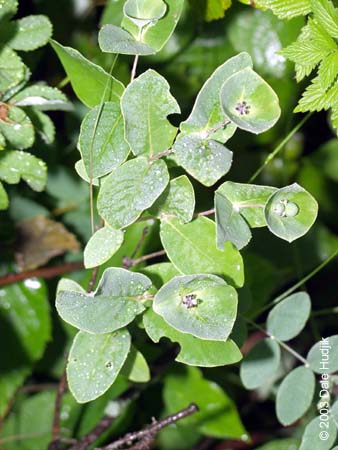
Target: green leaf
{"points": [[286, 9], [115, 303], [94, 362], [8, 8], [201, 305], [101, 142], [25, 327], [207, 112], [3, 197], [326, 14], [90, 82], [323, 357], [215, 9], [295, 394], [177, 200], [312, 435], [81, 171], [290, 212], [144, 12], [12, 69], [145, 105], [192, 255], [249, 102], [205, 159], [15, 165], [41, 97], [287, 319], [136, 368], [217, 416], [102, 246], [28, 33], [193, 351], [17, 128], [260, 365], [43, 125], [281, 444], [156, 35], [160, 273], [113, 39], [130, 189]]}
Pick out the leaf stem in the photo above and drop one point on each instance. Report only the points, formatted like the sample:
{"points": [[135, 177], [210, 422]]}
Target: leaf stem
{"points": [[160, 154], [279, 147], [129, 262], [133, 70]]}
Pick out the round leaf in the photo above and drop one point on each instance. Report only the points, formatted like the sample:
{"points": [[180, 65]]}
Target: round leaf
{"points": [[201, 305], [323, 356], [113, 39], [287, 319], [130, 189], [295, 395], [260, 365], [136, 368], [290, 212], [249, 102], [94, 362], [102, 246], [317, 437], [144, 12]]}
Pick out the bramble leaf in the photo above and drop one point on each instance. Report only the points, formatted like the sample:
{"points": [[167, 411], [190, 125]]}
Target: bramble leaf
{"points": [[15, 165]]}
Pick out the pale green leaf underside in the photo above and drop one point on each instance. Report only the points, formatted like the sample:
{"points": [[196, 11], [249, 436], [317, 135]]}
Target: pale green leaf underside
{"points": [[136, 368], [102, 246], [311, 438], [323, 357], [113, 39], [94, 362], [41, 96]]}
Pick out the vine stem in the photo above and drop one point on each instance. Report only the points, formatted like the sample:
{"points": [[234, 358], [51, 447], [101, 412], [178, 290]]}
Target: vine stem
{"points": [[130, 262], [133, 70], [62, 386], [279, 147], [151, 430], [299, 283], [281, 343]]}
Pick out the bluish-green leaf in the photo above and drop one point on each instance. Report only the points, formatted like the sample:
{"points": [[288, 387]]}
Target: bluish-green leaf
{"points": [[145, 104], [295, 394], [319, 437], [113, 39], [94, 362], [287, 319], [192, 249], [130, 189], [90, 82], [136, 368], [202, 305], [115, 303], [323, 356], [102, 246], [144, 12]]}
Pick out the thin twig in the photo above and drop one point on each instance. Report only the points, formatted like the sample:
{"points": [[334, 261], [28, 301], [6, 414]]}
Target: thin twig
{"points": [[152, 429], [43, 272], [94, 434], [160, 154], [209, 212], [145, 231], [56, 443], [217, 127], [129, 262]]}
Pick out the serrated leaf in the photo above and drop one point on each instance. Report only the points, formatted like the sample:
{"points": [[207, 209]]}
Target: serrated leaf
{"points": [[115, 303], [215, 9], [193, 351], [15, 165], [41, 97], [156, 35], [101, 142], [287, 319], [326, 14], [192, 255], [290, 212], [94, 362], [312, 436], [12, 69], [43, 125], [28, 33], [323, 357], [102, 246], [286, 9], [177, 200], [201, 305], [25, 327], [90, 82], [130, 189], [207, 112], [249, 102], [113, 39], [261, 364], [136, 368], [3, 197], [204, 159], [17, 128], [8, 8], [295, 394], [145, 105], [217, 417]]}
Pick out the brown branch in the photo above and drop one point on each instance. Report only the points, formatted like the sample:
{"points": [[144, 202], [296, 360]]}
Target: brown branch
{"points": [[129, 262], [94, 434], [151, 430], [209, 212], [56, 442], [43, 272]]}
